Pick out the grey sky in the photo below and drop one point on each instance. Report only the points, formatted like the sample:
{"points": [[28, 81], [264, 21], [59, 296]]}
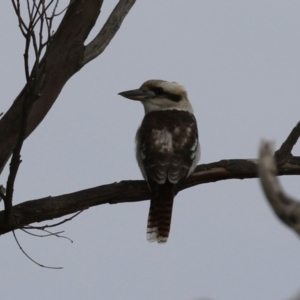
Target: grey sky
{"points": [[240, 63]]}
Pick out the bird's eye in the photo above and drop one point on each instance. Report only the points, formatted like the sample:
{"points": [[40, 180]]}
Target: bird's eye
{"points": [[158, 91]]}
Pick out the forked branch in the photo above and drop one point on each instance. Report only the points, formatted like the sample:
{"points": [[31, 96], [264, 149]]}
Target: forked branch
{"points": [[285, 207], [64, 53], [45, 76]]}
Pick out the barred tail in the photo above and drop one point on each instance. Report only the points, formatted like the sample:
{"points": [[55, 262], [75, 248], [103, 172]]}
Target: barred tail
{"points": [[160, 214]]}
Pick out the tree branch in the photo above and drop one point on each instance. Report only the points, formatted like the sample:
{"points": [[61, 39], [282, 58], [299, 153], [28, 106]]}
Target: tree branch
{"points": [[15, 163], [285, 207], [34, 261], [62, 59], [108, 31], [49, 208], [285, 151]]}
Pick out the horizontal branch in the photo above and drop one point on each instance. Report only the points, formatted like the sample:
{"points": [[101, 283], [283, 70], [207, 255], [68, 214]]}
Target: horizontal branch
{"points": [[49, 208], [131, 191]]}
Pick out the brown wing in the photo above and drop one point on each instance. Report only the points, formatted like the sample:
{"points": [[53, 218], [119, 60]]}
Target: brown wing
{"points": [[168, 146]]}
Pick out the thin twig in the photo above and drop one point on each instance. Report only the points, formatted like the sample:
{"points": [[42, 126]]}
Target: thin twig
{"points": [[22, 25], [36, 47], [40, 265], [290, 142], [37, 14], [40, 47], [57, 234], [49, 20], [41, 235], [62, 11], [29, 11], [53, 225], [26, 57], [49, 233]]}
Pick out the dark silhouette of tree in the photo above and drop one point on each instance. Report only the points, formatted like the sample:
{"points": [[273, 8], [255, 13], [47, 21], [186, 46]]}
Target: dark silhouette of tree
{"points": [[57, 57]]}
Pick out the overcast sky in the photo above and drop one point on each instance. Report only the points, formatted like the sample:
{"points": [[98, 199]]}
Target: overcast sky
{"points": [[240, 63]]}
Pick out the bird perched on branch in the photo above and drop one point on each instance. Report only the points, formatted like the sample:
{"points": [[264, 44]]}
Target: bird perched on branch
{"points": [[167, 148]]}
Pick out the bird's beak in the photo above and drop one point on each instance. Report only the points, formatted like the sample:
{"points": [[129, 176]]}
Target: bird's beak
{"points": [[138, 94]]}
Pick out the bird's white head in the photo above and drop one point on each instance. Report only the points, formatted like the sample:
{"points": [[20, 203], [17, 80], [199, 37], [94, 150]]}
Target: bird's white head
{"points": [[160, 95]]}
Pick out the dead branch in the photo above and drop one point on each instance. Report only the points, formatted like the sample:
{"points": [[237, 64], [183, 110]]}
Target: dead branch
{"points": [[285, 207], [53, 225], [48, 233], [24, 252], [108, 31]]}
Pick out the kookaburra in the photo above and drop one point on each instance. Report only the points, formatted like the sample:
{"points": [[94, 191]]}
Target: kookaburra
{"points": [[167, 148]]}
